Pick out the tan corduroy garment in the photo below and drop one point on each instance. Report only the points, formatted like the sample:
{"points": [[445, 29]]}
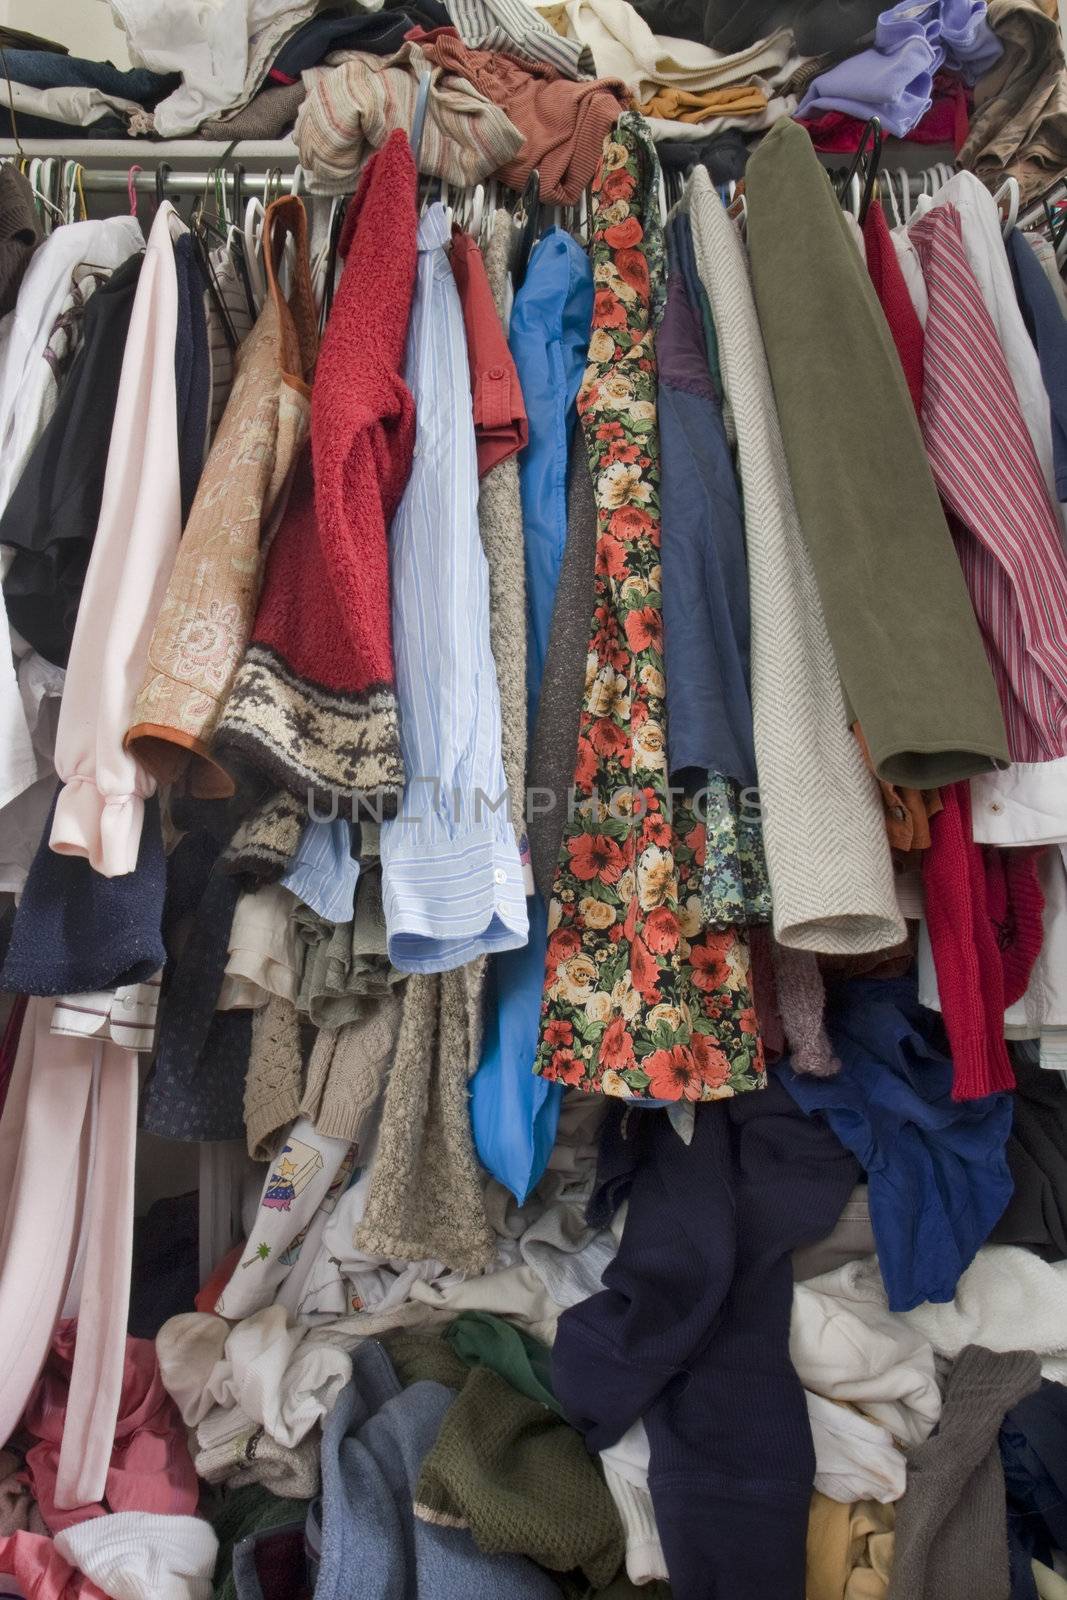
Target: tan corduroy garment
{"points": [[352, 108], [1019, 122], [202, 629]]}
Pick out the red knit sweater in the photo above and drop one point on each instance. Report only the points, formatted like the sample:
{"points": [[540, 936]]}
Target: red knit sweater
{"points": [[314, 703], [970, 971]]}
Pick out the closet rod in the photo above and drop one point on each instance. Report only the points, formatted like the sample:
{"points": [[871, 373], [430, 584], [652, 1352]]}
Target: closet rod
{"points": [[177, 182]]}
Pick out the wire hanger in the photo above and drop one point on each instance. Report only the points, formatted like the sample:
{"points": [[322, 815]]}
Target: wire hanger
{"points": [[418, 119], [526, 232]]}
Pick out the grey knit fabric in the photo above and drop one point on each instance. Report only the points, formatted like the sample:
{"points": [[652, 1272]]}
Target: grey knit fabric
{"points": [[268, 115], [500, 525], [802, 1005], [952, 1524], [830, 869], [555, 740], [425, 1198]]}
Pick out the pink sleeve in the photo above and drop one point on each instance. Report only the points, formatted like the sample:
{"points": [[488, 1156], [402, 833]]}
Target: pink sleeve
{"points": [[101, 806]]}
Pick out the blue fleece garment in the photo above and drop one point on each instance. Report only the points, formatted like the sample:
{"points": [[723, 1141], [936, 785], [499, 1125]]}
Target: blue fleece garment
{"points": [[937, 1171], [373, 1444]]}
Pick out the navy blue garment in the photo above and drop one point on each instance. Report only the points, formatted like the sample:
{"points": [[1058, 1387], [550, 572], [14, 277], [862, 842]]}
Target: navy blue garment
{"points": [[76, 931], [724, 154], [196, 1087], [377, 33], [705, 569], [1048, 329], [43, 69], [192, 371], [51, 517], [35, 127], [691, 1332], [1033, 1452], [937, 1171]]}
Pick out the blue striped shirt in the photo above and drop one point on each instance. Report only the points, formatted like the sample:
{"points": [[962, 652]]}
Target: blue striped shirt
{"points": [[323, 873], [452, 880]]}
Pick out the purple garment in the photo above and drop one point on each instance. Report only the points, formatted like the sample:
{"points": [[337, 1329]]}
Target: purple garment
{"points": [[893, 80]]}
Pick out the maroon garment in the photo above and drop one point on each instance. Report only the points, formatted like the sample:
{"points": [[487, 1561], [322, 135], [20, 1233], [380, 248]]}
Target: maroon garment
{"points": [[9, 1045], [970, 971], [500, 425], [1016, 908], [946, 122], [883, 265]]}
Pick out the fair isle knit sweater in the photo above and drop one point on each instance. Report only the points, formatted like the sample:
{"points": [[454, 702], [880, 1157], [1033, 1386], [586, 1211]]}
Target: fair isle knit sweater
{"points": [[314, 703]]}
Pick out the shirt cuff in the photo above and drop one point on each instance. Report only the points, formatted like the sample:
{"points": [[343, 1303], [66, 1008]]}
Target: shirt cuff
{"points": [[104, 829], [1025, 804], [452, 900]]}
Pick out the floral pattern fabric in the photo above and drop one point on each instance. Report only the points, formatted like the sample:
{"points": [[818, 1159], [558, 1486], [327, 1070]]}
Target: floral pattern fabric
{"points": [[642, 999], [735, 886]]}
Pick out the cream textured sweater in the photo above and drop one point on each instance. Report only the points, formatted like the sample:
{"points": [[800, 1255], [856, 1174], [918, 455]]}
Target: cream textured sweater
{"points": [[831, 873]]}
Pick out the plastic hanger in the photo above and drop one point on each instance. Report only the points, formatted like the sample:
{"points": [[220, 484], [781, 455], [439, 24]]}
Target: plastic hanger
{"points": [[477, 209], [1009, 192], [253, 237]]}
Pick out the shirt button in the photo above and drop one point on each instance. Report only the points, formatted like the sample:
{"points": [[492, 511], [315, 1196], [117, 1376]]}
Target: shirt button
{"points": [[496, 372], [996, 807], [499, 875]]}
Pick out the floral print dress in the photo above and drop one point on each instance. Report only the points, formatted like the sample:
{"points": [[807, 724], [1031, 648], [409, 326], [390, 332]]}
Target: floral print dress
{"points": [[642, 999]]}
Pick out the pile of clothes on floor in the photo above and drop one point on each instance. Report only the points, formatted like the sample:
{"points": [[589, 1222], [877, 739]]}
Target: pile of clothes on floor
{"points": [[417, 1427], [986, 80]]}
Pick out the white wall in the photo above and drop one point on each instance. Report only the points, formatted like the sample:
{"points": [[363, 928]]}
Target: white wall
{"points": [[86, 27]]}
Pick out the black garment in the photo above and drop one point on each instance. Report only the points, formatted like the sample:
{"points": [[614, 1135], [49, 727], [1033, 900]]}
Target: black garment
{"points": [[166, 1264], [76, 931], [196, 1088], [427, 13], [691, 1332], [19, 234], [1033, 1452], [724, 154], [51, 517], [192, 371], [820, 27], [378, 33], [1037, 1155]]}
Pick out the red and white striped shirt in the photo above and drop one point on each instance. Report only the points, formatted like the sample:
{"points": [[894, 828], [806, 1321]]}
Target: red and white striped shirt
{"points": [[1004, 525]]}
